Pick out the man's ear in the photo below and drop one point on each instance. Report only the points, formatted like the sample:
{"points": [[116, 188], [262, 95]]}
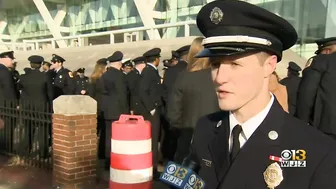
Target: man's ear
{"points": [[270, 65]]}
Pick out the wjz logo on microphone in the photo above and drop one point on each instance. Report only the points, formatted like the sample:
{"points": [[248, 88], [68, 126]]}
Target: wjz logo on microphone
{"points": [[181, 177]]}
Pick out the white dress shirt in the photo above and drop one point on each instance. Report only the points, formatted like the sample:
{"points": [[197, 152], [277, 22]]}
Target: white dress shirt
{"points": [[58, 69], [152, 65], [152, 111], [250, 125], [138, 70]]}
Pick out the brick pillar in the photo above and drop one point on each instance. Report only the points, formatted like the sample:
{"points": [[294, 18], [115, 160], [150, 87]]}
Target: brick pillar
{"points": [[74, 141]]}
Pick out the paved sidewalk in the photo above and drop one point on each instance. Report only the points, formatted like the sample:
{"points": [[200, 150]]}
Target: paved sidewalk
{"points": [[20, 177]]}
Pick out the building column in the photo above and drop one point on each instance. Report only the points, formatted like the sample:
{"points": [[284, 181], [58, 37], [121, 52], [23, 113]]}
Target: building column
{"points": [[3, 24], [331, 19], [52, 25], [61, 13], [145, 9]]}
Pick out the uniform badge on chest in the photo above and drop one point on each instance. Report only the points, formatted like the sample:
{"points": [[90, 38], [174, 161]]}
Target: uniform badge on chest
{"points": [[60, 76], [273, 175]]}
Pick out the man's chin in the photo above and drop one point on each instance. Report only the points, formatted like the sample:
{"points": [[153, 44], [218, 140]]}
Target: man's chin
{"points": [[227, 105]]}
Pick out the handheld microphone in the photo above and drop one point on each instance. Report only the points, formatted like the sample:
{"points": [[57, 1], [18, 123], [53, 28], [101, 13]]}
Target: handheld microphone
{"points": [[182, 177]]}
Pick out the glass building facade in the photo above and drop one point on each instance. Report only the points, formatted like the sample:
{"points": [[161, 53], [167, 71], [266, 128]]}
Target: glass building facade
{"points": [[313, 19]]}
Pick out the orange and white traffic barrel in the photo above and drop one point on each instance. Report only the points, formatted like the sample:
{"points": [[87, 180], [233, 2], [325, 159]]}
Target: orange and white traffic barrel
{"points": [[131, 153]]}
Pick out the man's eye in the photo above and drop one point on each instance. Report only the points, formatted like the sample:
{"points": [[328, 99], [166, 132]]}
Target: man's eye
{"points": [[234, 64], [215, 64]]}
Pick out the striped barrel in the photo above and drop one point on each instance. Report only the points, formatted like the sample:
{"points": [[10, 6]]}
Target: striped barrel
{"points": [[131, 153]]}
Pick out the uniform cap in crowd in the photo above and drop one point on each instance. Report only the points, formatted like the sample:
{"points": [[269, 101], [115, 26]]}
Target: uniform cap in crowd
{"points": [[155, 52], [294, 67], [183, 50], [321, 43], [127, 63], [9, 54], [115, 57], [57, 58], [81, 70], [36, 59], [139, 60]]}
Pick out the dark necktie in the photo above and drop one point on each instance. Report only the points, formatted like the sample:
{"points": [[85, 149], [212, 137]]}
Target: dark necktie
{"points": [[235, 143]]}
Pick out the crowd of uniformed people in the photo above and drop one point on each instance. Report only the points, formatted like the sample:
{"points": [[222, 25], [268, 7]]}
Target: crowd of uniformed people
{"points": [[220, 79]]}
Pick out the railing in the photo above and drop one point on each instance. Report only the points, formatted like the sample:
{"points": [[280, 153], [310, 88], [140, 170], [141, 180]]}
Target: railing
{"points": [[27, 132], [78, 39]]}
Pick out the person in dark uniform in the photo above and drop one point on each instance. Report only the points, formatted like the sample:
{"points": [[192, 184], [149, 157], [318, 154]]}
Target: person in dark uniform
{"points": [[292, 82], [8, 89], [81, 82], [16, 77], [36, 96], [315, 107], [46, 69], [35, 85], [16, 74], [177, 65], [241, 146], [133, 79], [151, 96], [114, 100], [316, 94], [63, 81], [8, 99], [126, 68]]}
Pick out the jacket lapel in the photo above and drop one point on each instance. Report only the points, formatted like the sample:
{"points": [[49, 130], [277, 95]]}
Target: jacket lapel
{"points": [[219, 145], [254, 155]]}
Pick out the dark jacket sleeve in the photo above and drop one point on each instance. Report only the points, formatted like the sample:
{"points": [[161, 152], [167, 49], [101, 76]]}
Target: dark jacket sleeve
{"points": [[70, 84], [122, 94], [175, 103], [193, 156], [50, 89], [92, 89], [9, 86], [165, 84], [308, 87], [131, 87], [144, 91]]}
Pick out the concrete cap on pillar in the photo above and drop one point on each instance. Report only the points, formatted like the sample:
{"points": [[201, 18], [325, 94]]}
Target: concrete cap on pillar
{"points": [[74, 105]]}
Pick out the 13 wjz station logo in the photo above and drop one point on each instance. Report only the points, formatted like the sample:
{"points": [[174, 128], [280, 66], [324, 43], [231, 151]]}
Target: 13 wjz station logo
{"points": [[293, 158]]}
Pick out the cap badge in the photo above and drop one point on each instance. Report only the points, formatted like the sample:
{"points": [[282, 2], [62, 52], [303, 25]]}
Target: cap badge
{"points": [[216, 15]]}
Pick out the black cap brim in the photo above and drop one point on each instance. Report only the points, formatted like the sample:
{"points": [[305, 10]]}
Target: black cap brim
{"points": [[207, 52]]}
